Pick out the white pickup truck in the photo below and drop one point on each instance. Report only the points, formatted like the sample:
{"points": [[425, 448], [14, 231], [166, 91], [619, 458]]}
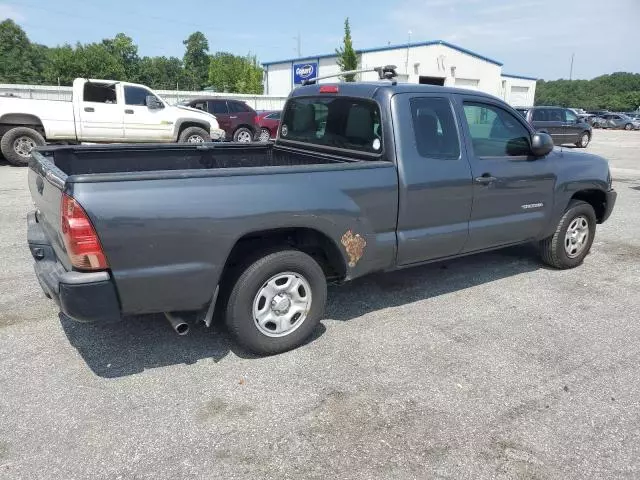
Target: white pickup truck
{"points": [[101, 111]]}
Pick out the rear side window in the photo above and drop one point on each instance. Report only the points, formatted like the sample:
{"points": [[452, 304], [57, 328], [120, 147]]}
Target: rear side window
{"points": [[218, 106], [238, 107], [435, 128], [335, 122], [539, 115], [99, 93], [273, 116], [556, 115]]}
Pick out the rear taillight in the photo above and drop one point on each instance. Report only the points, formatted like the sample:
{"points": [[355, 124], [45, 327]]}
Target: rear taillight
{"points": [[329, 89], [80, 238], [256, 120]]}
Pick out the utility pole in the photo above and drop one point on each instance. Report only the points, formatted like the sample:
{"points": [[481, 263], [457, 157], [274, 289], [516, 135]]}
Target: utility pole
{"points": [[571, 68], [298, 45]]}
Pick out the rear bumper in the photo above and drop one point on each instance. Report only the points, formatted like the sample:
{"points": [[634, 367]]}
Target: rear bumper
{"points": [[611, 195], [82, 296]]}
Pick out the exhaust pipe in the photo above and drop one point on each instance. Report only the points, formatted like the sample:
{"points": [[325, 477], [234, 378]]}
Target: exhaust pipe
{"points": [[179, 325]]}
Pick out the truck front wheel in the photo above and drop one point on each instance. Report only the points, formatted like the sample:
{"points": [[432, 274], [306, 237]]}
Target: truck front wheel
{"points": [[194, 135], [573, 237], [17, 143], [276, 302]]}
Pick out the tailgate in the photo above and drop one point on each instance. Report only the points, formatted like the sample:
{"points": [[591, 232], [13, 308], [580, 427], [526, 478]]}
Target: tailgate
{"points": [[46, 183]]}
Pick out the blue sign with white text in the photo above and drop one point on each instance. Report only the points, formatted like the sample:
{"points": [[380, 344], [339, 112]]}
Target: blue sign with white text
{"points": [[304, 71]]}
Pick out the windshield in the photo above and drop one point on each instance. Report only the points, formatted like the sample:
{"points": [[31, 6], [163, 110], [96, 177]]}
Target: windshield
{"points": [[334, 122]]}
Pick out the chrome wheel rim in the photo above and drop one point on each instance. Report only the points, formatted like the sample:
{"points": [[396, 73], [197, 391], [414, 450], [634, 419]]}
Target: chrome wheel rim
{"points": [[23, 146], [243, 136], [195, 139], [585, 140], [282, 304], [264, 135], [577, 236]]}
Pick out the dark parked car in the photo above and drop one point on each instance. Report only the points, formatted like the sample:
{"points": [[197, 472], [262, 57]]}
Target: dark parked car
{"points": [[562, 124], [362, 178], [268, 123], [236, 118]]}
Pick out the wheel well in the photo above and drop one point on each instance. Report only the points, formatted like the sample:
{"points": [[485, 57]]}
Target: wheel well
{"points": [[186, 125], [596, 198], [312, 242], [12, 120]]}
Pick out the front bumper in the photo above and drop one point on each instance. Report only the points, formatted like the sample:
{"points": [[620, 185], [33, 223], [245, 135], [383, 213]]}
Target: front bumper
{"points": [[611, 197], [217, 134], [82, 296]]}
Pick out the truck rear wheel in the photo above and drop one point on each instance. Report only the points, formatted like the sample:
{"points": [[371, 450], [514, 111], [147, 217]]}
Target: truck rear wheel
{"points": [[573, 237], [276, 302], [194, 135], [17, 143]]}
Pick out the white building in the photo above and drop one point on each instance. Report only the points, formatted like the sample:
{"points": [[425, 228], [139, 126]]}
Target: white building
{"points": [[436, 62]]}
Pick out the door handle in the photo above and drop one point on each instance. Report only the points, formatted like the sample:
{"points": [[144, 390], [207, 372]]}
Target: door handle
{"points": [[485, 179], [89, 109], [129, 111], [233, 117]]}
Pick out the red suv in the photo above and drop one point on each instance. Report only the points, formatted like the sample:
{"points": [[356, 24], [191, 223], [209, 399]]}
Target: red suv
{"points": [[236, 118]]}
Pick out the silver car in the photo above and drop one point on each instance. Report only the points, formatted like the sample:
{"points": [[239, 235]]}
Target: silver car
{"points": [[621, 121]]}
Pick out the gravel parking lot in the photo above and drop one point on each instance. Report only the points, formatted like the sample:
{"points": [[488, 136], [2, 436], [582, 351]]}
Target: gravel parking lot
{"points": [[490, 366]]}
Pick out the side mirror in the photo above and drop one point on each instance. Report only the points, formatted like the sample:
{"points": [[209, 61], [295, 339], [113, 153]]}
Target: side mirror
{"points": [[153, 103], [541, 144]]}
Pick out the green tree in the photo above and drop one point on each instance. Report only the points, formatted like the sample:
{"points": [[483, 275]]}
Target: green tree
{"points": [[347, 58], [162, 73], [618, 91], [16, 55], [60, 66], [235, 74], [126, 52], [196, 59], [94, 60]]}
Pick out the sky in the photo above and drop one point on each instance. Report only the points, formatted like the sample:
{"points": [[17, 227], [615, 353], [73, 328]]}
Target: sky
{"points": [[531, 37]]}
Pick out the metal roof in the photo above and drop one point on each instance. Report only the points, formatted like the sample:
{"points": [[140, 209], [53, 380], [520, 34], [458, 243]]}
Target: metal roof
{"points": [[391, 47], [519, 76]]}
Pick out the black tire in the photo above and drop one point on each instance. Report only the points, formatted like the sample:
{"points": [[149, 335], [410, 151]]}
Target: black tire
{"points": [[243, 134], [552, 249], [239, 316], [190, 134], [585, 138], [9, 145], [628, 126]]}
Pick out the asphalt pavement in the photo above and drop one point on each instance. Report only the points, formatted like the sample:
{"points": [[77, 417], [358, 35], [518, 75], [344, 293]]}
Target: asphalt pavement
{"points": [[487, 367]]}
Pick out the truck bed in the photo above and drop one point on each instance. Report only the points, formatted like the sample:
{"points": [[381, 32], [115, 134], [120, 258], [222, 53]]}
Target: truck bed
{"points": [[180, 209], [110, 159]]}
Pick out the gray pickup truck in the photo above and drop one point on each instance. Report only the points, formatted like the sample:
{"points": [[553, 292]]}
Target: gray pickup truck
{"points": [[363, 177]]}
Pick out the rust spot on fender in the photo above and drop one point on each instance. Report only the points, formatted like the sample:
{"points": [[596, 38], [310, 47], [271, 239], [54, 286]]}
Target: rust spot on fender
{"points": [[354, 245]]}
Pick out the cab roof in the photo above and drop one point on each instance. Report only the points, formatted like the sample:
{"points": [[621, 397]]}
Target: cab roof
{"points": [[370, 89]]}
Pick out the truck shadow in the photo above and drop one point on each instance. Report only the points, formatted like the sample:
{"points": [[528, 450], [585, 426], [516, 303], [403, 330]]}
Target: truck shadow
{"points": [[139, 343]]}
